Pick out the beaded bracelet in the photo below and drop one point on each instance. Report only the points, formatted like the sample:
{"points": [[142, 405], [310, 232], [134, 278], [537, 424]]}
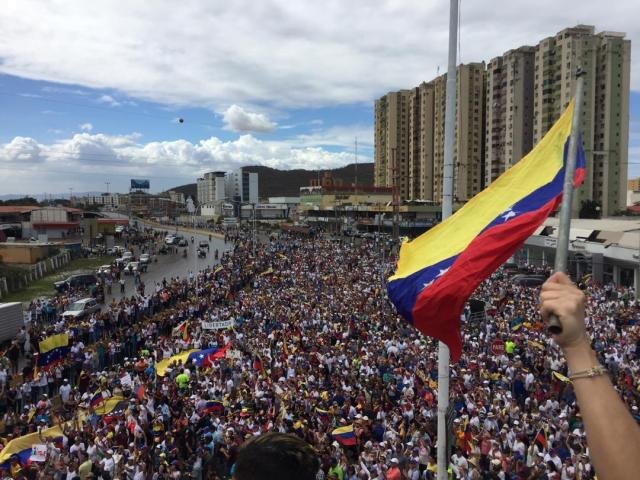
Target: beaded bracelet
{"points": [[590, 373]]}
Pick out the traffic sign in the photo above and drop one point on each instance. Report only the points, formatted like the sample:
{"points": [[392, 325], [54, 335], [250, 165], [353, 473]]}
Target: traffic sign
{"points": [[497, 347]]}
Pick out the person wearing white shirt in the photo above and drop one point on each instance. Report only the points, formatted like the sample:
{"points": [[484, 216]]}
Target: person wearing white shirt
{"points": [[108, 463]]}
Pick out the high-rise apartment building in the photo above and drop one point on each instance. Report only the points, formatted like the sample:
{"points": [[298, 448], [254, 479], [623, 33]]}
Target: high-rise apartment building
{"points": [[604, 122], [509, 110], [501, 113], [421, 121], [391, 134], [469, 132], [422, 124], [468, 160]]}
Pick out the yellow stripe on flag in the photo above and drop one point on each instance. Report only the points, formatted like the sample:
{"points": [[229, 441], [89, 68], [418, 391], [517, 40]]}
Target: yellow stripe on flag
{"points": [[536, 169], [181, 357], [54, 341]]}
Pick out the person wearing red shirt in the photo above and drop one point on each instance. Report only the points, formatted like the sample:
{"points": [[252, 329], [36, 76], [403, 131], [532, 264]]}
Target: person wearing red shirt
{"points": [[393, 472]]}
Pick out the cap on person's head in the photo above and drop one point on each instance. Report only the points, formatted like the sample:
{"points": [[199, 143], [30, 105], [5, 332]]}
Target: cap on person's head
{"points": [[394, 460]]}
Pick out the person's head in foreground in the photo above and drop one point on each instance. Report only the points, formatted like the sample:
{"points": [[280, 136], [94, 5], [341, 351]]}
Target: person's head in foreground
{"points": [[276, 455]]}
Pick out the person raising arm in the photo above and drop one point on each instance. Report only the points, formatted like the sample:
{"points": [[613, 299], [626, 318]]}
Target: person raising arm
{"points": [[613, 435]]}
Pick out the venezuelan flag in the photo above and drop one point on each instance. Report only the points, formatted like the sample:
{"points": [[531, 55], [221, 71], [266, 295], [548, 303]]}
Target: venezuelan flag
{"points": [[181, 358], [439, 270], [323, 415], [199, 357], [112, 407], [344, 435], [21, 446], [53, 349], [97, 398]]}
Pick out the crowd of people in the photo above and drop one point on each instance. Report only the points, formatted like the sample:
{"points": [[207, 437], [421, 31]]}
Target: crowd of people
{"points": [[315, 346]]}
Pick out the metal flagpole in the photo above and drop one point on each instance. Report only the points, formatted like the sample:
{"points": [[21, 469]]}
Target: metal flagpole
{"points": [[447, 210], [553, 324]]}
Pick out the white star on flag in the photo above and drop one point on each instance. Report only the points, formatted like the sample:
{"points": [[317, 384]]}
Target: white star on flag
{"points": [[509, 213], [428, 283], [442, 272]]}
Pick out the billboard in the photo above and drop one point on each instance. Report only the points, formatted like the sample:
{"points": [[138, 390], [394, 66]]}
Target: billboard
{"points": [[139, 184]]}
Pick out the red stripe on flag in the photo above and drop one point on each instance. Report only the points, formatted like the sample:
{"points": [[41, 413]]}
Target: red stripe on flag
{"points": [[437, 310]]}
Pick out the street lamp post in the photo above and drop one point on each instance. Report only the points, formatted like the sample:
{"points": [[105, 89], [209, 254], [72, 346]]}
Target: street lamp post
{"points": [[254, 229]]}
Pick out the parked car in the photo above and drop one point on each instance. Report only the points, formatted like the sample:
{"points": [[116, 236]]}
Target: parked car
{"points": [[81, 308], [106, 269], [204, 244], [127, 256], [170, 239], [145, 258], [133, 267], [183, 243], [75, 281]]}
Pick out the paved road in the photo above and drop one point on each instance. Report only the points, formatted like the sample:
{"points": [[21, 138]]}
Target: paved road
{"points": [[172, 265]]}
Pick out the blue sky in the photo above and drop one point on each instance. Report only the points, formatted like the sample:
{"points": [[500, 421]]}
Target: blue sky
{"points": [[93, 93], [51, 111]]}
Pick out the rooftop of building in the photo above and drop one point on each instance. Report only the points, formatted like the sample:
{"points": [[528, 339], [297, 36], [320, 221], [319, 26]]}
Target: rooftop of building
{"points": [[31, 208], [621, 231]]}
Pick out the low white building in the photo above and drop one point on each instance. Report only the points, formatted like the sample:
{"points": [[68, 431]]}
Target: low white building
{"points": [[106, 200], [242, 186], [211, 188], [608, 249]]}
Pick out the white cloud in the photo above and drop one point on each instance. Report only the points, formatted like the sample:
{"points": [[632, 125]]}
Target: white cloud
{"points": [[274, 52], [237, 119], [21, 151], [64, 90], [109, 100], [338, 136], [86, 127], [86, 159]]}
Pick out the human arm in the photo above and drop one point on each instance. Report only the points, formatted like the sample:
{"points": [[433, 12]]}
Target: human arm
{"points": [[612, 434]]}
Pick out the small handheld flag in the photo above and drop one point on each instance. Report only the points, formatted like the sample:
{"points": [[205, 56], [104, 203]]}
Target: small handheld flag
{"points": [[97, 398], [344, 435]]}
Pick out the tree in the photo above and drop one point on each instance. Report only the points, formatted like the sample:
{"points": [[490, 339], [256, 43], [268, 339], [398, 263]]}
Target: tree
{"points": [[20, 201]]}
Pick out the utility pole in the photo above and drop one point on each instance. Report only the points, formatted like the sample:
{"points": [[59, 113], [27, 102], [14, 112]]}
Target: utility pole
{"points": [[107, 183], [447, 210], [356, 181], [255, 236], [396, 197]]}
